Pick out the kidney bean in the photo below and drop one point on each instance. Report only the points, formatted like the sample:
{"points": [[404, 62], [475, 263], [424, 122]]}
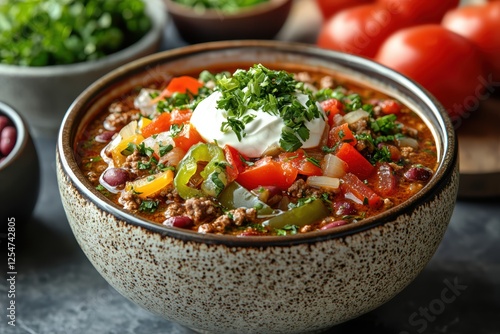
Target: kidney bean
{"points": [[115, 176], [418, 173], [4, 121], [104, 137], [8, 139], [334, 224], [179, 221], [344, 208]]}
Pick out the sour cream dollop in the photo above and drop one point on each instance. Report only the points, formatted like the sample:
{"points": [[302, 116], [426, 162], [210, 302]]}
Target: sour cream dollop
{"points": [[262, 133]]}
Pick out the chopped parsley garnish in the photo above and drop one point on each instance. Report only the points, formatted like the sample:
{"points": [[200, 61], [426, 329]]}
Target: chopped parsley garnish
{"points": [[287, 230], [102, 190], [175, 129], [164, 149], [149, 206], [385, 124], [273, 92]]}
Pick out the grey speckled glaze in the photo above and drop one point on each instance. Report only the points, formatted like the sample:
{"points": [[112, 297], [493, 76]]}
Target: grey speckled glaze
{"points": [[221, 284]]}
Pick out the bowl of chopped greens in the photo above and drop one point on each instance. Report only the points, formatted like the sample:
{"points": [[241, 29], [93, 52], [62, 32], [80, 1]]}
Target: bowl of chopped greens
{"points": [[204, 20], [55, 49]]}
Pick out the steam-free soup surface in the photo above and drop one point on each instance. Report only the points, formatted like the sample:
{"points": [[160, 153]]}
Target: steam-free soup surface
{"points": [[257, 152]]}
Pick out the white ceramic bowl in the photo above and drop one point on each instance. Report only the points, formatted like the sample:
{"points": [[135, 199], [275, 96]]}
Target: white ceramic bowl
{"points": [[43, 94], [224, 284]]}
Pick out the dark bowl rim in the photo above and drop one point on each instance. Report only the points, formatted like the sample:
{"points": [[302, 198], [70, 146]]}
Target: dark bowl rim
{"points": [[23, 134], [440, 180], [214, 14]]}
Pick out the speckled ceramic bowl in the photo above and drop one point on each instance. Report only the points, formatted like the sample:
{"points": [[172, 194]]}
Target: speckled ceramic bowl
{"points": [[223, 284]]}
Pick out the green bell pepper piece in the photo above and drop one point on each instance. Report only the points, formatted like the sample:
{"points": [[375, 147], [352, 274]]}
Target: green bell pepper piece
{"points": [[236, 196], [306, 214], [213, 174]]}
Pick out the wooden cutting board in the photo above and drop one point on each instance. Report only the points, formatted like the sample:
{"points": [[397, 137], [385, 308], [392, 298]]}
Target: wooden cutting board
{"points": [[479, 151]]}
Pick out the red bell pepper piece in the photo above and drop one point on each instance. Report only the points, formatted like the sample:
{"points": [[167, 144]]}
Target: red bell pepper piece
{"points": [[352, 185], [268, 172], [356, 162]]}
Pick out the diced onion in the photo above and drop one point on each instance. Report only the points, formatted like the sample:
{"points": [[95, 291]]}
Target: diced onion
{"points": [[333, 166], [173, 157], [145, 103], [407, 142], [355, 116], [324, 182], [338, 119]]}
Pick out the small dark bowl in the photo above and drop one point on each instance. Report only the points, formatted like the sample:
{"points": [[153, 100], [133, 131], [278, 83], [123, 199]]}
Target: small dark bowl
{"points": [[262, 21], [19, 173]]}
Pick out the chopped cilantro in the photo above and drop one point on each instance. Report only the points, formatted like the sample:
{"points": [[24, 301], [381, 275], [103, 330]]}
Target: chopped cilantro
{"points": [[164, 149], [175, 129], [385, 124], [287, 230], [102, 190], [149, 206]]}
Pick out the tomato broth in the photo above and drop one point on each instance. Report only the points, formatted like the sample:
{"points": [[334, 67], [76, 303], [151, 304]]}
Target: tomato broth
{"points": [[257, 152]]}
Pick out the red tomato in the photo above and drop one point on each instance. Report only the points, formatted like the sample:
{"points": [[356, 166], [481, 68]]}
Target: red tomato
{"points": [[187, 137], [386, 183], [299, 160], [341, 134], [390, 106], [268, 172], [182, 84], [420, 11], [353, 186], [330, 7], [165, 121], [236, 162], [359, 30], [356, 162], [480, 24], [332, 107], [445, 63]]}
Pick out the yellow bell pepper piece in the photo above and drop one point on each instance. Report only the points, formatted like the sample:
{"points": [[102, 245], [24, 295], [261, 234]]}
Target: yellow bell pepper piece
{"points": [[150, 184], [143, 122], [116, 153]]}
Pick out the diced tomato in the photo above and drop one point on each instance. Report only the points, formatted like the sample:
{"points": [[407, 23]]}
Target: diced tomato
{"points": [[386, 183], [165, 120], [268, 172], [353, 186], [394, 151], [332, 107], [390, 106], [299, 160], [341, 134], [357, 163], [180, 116], [187, 137], [236, 162], [160, 124], [182, 84]]}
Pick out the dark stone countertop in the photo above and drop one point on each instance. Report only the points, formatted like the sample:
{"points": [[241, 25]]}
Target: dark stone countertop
{"points": [[59, 292]]}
